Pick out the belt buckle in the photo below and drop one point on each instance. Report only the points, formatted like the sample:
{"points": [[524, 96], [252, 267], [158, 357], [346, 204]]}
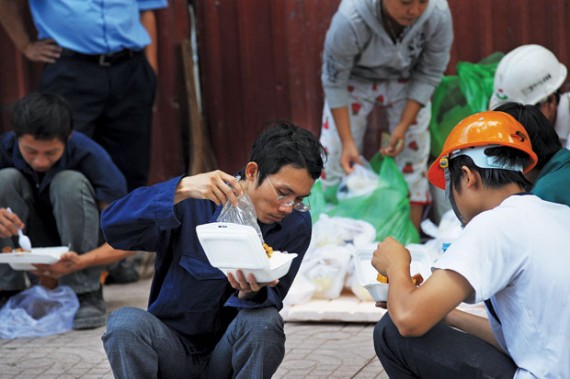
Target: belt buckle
{"points": [[102, 61]]}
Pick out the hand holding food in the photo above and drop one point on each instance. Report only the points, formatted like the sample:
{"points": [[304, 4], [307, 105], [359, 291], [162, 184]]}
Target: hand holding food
{"points": [[69, 262], [417, 279], [247, 286], [9, 223], [214, 185], [390, 253], [396, 141]]}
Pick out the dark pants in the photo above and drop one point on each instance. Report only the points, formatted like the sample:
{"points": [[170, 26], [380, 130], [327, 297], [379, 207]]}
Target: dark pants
{"points": [[443, 352], [111, 104]]}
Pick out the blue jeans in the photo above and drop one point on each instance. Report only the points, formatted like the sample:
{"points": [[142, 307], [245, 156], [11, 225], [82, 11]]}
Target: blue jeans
{"points": [[76, 216], [443, 352], [139, 345]]}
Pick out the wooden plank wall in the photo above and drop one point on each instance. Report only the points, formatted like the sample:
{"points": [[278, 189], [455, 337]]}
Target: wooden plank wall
{"points": [[260, 60]]}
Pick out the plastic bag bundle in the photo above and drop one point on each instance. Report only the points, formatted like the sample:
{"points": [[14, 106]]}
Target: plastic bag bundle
{"points": [[243, 214], [327, 262], [301, 291], [448, 230], [38, 312], [386, 208], [327, 270], [361, 182], [340, 231]]}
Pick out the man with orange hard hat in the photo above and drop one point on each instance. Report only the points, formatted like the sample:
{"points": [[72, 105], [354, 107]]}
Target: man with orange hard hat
{"points": [[514, 250]]}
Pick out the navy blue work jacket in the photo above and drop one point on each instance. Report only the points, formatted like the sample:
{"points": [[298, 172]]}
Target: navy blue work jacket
{"points": [[187, 293], [81, 154]]}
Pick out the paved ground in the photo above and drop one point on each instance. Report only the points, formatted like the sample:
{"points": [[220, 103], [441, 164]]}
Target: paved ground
{"points": [[313, 350]]}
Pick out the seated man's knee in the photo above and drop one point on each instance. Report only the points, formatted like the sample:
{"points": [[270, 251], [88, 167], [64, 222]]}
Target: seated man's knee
{"points": [[70, 185], [9, 174], [10, 178], [68, 180], [262, 323], [124, 325]]}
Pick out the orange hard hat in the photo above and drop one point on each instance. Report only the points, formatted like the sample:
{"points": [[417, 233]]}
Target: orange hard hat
{"points": [[482, 129]]}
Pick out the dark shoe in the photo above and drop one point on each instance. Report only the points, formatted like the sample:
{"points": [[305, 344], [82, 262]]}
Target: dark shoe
{"points": [[122, 272], [92, 312]]}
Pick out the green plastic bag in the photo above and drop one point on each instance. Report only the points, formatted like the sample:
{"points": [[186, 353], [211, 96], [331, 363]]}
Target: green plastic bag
{"points": [[317, 201], [387, 208], [458, 96]]}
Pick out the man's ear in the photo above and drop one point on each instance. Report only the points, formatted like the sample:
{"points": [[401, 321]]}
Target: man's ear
{"points": [[251, 171], [549, 107], [470, 178]]}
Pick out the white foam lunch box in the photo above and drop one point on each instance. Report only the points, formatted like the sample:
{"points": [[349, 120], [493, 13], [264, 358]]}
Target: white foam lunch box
{"points": [[231, 247], [21, 260]]}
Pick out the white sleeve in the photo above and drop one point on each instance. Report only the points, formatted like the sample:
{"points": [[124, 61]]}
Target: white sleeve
{"points": [[485, 254]]}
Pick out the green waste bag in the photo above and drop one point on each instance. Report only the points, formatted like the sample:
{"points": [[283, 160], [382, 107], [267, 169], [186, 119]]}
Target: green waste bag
{"points": [[387, 208], [458, 96], [317, 201]]}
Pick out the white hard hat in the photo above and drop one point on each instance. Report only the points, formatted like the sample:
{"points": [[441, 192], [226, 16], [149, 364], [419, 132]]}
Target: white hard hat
{"points": [[527, 75]]}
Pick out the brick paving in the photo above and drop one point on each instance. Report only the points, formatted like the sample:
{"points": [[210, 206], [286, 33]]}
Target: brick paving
{"points": [[313, 350]]}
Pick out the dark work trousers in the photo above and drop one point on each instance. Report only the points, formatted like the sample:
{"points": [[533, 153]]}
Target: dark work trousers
{"points": [[443, 352], [111, 104]]}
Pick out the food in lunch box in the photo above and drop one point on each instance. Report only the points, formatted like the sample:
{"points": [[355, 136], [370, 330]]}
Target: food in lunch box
{"points": [[8, 249], [416, 279], [381, 278], [268, 250]]}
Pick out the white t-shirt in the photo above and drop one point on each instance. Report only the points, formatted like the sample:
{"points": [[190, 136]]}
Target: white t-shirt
{"points": [[518, 255]]}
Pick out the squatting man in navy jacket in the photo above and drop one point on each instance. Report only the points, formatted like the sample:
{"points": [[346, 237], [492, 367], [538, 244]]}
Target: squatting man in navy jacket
{"points": [[199, 322]]}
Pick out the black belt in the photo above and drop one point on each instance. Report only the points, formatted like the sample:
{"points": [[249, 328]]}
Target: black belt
{"points": [[103, 59]]}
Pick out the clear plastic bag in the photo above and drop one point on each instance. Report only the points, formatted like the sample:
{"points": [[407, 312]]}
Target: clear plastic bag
{"points": [[243, 214], [38, 312], [361, 182]]}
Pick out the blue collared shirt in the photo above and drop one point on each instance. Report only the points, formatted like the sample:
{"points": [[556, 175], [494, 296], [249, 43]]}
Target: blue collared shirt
{"points": [[93, 26], [187, 293], [81, 154]]}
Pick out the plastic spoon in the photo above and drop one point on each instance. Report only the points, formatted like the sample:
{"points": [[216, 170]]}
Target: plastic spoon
{"points": [[23, 240]]}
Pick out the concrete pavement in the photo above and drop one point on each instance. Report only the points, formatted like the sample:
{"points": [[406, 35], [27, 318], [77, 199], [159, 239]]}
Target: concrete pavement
{"points": [[313, 350]]}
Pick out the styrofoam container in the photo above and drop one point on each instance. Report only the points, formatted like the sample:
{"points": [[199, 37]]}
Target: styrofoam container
{"points": [[232, 247], [367, 274], [25, 260]]}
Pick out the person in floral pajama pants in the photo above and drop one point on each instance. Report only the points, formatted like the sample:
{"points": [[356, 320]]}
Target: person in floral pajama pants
{"points": [[385, 53]]}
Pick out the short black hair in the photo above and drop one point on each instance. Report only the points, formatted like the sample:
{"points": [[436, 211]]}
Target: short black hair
{"points": [[543, 137], [492, 178], [284, 143], [43, 115]]}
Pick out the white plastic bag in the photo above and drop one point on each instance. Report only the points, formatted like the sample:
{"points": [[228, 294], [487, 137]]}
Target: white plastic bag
{"points": [[38, 312], [340, 231], [448, 230], [300, 292], [328, 270], [360, 182]]}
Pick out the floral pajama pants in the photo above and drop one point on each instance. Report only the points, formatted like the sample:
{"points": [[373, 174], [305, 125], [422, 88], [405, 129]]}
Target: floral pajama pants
{"points": [[412, 161]]}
